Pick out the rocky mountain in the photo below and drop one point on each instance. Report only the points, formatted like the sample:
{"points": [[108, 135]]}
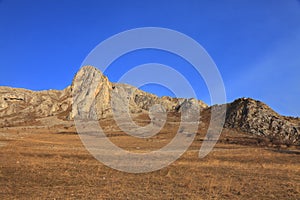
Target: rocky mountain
{"points": [[252, 116], [92, 95], [91, 88]]}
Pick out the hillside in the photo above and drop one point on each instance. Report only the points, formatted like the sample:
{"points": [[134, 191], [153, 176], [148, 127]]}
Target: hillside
{"points": [[43, 157], [91, 88]]}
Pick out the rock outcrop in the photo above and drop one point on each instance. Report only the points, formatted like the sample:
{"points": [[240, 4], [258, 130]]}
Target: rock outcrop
{"points": [[24, 104], [92, 92], [90, 88], [257, 118], [92, 95]]}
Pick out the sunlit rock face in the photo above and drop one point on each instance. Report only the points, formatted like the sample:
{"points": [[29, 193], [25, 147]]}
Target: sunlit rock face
{"points": [[92, 96]]}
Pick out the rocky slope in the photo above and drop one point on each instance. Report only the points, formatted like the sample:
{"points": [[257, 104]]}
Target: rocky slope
{"points": [[92, 95], [21, 105], [257, 118], [92, 89]]}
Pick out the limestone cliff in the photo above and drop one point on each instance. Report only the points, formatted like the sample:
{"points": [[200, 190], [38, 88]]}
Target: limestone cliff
{"points": [[92, 91], [92, 95]]}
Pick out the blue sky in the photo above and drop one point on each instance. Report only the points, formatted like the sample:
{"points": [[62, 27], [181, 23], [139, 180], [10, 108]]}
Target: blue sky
{"points": [[255, 44]]}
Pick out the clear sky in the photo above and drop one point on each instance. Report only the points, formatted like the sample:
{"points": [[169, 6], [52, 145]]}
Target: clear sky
{"points": [[254, 43]]}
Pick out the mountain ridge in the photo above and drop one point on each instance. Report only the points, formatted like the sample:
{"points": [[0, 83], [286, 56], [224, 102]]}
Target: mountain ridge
{"points": [[90, 89]]}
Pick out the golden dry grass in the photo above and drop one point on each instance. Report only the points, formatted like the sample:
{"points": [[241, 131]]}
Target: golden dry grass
{"points": [[43, 163]]}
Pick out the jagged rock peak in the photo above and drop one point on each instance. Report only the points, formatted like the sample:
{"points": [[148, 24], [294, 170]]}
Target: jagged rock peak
{"points": [[92, 91], [88, 72], [249, 101]]}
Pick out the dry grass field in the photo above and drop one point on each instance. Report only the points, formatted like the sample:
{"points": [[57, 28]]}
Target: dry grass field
{"points": [[40, 162]]}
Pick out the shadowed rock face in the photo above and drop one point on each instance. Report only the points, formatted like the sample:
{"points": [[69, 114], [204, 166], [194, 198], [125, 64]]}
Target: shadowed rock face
{"points": [[257, 118], [92, 95]]}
